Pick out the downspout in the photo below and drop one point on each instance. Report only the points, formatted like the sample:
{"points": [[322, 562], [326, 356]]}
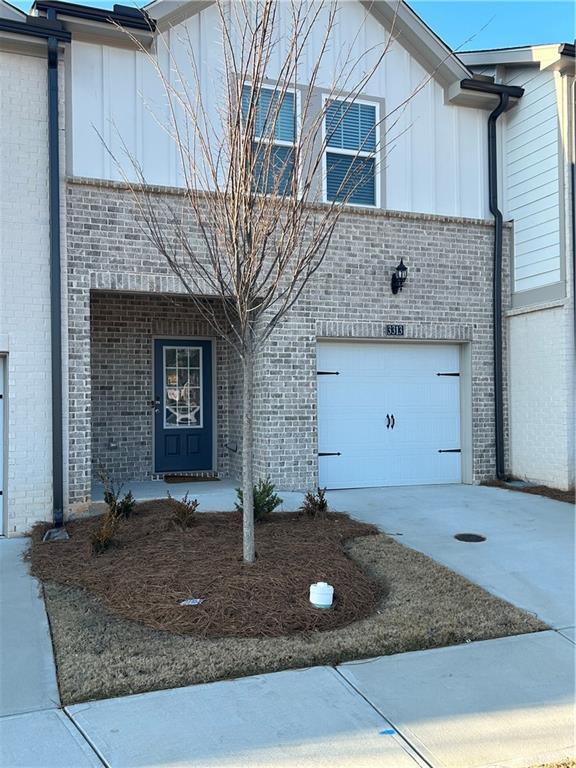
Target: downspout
{"points": [[497, 283], [504, 93], [55, 280]]}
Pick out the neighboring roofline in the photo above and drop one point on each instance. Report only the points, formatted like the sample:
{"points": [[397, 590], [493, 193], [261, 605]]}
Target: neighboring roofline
{"points": [[9, 11], [557, 56], [37, 28], [125, 16], [122, 26]]}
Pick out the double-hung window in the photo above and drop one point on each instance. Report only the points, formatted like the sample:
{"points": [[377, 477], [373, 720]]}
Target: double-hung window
{"points": [[275, 134], [351, 141]]}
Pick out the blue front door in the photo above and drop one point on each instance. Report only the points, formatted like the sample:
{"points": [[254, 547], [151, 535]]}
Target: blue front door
{"points": [[183, 413]]}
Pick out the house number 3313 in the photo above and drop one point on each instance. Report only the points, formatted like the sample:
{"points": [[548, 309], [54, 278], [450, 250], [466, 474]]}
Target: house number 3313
{"points": [[394, 330]]}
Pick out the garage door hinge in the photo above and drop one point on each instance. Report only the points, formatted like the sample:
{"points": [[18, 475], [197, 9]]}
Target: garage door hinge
{"points": [[450, 450], [447, 374], [337, 453], [328, 373]]}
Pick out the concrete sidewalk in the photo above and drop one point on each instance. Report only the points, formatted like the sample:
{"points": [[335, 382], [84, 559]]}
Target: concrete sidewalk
{"points": [[506, 702], [34, 731], [27, 673]]}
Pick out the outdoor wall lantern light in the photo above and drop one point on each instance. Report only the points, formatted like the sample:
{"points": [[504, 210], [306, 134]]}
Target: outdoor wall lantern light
{"points": [[399, 277]]}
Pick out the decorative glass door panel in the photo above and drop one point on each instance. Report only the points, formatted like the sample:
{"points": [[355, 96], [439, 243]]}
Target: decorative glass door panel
{"points": [[183, 426], [182, 390]]}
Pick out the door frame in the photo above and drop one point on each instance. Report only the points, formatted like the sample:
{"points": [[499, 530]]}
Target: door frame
{"points": [[465, 356], [161, 337]]}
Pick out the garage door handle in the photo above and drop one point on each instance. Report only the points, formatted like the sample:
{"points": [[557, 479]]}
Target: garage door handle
{"points": [[393, 421], [387, 421]]}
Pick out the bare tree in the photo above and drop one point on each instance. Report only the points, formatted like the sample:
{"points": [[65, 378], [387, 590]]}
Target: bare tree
{"points": [[252, 227]]}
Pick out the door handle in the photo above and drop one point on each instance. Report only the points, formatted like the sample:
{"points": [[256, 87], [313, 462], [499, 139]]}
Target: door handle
{"points": [[387, 421], [393, 421]]}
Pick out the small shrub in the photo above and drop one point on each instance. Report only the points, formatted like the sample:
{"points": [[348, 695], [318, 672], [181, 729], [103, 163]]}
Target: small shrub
{"points": [[125, 506], [183, 510], [121, 507], [265, 500], [104, 535], [315, 504]]}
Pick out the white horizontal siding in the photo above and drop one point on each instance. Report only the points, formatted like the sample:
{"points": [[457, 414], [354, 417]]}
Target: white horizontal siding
{"points": [[435, 153], [532, 179]]}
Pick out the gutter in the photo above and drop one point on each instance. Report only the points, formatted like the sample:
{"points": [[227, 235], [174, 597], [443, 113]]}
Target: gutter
{"points": [[504, 93], [53, 32]]}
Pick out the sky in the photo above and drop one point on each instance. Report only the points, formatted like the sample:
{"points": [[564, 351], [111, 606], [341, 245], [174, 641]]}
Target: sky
{"points": [[468, 25]]}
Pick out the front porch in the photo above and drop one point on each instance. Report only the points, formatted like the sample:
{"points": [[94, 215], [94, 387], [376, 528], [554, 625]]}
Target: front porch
{"points": [[164, 390], [213, 495]]}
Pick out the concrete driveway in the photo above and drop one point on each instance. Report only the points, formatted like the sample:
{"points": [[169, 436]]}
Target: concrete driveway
{"points": [[528, 555]]}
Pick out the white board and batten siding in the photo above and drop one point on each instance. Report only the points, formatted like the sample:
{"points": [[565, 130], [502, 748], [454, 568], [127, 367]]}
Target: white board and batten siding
{"points": [[435, 152], [532, 179], [385, 416]]}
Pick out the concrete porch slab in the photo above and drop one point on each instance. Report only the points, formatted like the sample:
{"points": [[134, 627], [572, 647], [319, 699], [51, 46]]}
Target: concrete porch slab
{"points": [[528, 557], [506, 702], [44, 740], [27, 672], [306, 718], [213, 495]]}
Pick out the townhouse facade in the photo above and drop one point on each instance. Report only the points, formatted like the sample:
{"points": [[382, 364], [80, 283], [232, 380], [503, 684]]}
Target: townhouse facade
{"points": [[108, 363]]}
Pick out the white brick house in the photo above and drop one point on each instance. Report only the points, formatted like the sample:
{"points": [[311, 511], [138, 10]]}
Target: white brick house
{"points": [[537, 183], [127, 326]]}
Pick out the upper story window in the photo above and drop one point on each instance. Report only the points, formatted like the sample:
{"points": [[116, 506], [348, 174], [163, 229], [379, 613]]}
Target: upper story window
{"points": [[275, 137], [351, 138]]}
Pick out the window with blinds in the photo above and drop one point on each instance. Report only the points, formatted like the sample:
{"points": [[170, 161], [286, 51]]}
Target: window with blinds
{"points": [[350, 155], [274, 141]]}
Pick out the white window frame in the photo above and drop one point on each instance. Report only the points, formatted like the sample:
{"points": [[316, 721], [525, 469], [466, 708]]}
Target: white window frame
{"points": [[279, 142], [348, 153], [200, 425]]}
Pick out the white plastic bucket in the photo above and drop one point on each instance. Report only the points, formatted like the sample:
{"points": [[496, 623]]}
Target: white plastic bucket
{"points": [[321, 595]]}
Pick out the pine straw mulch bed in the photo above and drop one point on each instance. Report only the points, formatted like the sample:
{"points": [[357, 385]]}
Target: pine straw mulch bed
{"points": [[153, 565], [568, 496], [421, 605]]}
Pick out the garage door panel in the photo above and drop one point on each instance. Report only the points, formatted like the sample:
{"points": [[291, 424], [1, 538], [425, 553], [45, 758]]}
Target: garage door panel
{"points": [[388, 414]]}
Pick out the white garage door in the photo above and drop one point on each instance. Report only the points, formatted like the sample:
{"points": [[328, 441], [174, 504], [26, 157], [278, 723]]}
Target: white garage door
{"points": [[388, 414]]}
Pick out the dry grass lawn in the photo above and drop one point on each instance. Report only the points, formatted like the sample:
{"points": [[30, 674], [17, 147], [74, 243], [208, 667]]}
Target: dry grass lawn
{"points": [[425, 605]]}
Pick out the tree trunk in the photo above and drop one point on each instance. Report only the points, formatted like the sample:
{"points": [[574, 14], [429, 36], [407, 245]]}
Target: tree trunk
{"points": [[248, 453]]}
